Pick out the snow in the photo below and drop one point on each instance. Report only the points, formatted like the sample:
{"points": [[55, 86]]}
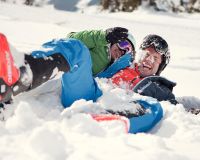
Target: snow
{"points": [[37, 127]]}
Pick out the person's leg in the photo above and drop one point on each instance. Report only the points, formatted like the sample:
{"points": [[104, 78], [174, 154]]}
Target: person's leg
{"points": [[70, 56], [37, 71], [78, 83], [34, 70]]}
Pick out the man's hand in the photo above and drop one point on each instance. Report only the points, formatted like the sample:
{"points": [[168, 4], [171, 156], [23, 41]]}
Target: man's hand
{"points": [[156, 87], [116, 34]]}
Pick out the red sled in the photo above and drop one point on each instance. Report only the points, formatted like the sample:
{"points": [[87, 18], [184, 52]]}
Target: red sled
{"points": [[112, 117], [8, 71]]}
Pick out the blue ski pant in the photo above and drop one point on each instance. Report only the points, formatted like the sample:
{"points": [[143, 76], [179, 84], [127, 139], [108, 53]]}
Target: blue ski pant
{"points": [[78, 82]]}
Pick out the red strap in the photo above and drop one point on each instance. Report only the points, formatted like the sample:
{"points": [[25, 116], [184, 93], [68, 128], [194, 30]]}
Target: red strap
{"points": [[8, 71], [112, 117]]}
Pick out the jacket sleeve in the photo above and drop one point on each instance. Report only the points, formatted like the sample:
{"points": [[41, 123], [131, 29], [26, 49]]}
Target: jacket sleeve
{"points": [[156, 87], [90, 38], [119, 64]]}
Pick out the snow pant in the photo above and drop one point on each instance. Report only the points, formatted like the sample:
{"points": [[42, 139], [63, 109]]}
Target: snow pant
{"points": [[73, 58]]}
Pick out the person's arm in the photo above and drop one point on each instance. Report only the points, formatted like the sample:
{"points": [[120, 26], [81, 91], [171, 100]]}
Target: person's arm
{"points": [[156, 87], [90, 38], [118, 65], [93, 38]]}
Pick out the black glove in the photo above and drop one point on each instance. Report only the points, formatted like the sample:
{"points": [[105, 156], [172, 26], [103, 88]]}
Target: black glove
{"points": [[156, 87], [116, 34]]}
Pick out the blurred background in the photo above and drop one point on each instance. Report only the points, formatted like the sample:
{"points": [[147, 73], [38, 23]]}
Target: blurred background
{"points": [[189, 6]]}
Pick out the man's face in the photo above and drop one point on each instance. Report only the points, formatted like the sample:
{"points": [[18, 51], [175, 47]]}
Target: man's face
{"points": [[116, 52], [119, 49], [149, 65]]}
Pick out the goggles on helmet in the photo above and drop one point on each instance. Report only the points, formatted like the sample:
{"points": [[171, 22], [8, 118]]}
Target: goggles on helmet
{"points": [[160, 46], [125, 45]]}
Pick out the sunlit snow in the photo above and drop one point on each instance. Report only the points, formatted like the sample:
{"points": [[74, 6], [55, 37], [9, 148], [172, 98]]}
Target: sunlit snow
{"points": [[37, 127]]}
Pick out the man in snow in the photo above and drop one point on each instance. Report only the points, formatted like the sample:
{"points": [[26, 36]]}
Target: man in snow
{"points": [[103, 45], [79, 59], [143, 76]]}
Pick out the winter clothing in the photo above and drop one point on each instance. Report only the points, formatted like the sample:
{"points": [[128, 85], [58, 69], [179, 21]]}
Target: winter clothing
{"points": [[9, 73], [131, 39], [42, 69], [157, 87], [98, 46], [72, 57], [98, 43], [127, 78], [146, 121], [80, 61], [5, 91], [123, 62], [153, 86], [116, 34], [78, 83]]}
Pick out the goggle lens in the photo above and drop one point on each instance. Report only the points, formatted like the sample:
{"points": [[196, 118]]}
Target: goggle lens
{"points": [[160, 46], [125, 45]]}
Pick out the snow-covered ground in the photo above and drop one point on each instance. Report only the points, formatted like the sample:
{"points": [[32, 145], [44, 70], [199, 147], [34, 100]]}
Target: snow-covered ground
{"points": [[36, 125]]}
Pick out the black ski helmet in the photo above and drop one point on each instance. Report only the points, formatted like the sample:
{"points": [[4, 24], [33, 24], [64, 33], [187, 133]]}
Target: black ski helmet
{"points": [[161, 46]]}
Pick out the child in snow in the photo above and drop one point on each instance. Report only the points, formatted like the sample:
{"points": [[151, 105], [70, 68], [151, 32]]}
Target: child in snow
{"points": [[96, 53]]}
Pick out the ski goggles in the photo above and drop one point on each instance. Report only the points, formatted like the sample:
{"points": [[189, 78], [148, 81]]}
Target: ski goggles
{"points": [[125, 45], [159, 45]]}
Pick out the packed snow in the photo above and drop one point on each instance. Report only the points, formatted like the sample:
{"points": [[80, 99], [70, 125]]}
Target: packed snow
{"points": [[36, 126]]}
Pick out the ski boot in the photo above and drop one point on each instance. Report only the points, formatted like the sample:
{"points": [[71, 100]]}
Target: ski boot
{"points": [[9, 73]]}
